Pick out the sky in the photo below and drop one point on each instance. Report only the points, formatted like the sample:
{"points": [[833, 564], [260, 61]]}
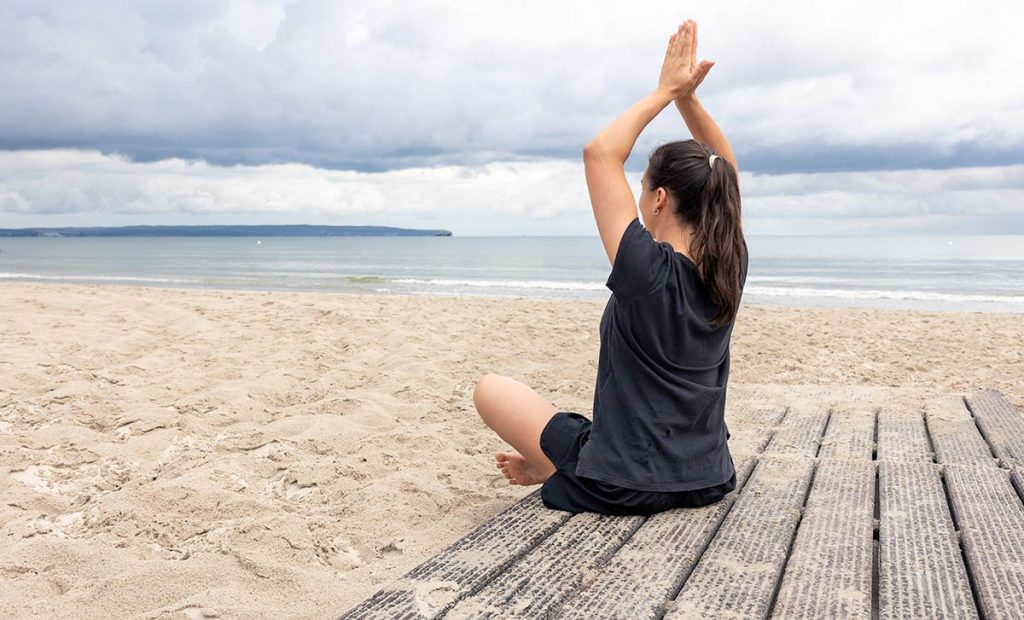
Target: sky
{"points": [[854, 118]]}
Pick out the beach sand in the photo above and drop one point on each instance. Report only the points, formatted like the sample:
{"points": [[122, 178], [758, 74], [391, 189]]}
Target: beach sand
{"points": [[243, 454]]}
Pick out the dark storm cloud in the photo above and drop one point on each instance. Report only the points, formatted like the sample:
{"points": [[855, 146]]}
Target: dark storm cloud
{"points": [[373, 87]]}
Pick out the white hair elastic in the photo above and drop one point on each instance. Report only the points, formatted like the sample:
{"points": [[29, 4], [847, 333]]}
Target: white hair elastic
{"points": [[711, 160]]}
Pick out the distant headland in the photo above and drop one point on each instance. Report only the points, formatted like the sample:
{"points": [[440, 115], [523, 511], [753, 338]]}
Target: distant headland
{"points": [[295, 230]]}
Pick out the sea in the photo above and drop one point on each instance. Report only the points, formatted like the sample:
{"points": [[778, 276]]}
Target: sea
{"points": [[934, 273]]}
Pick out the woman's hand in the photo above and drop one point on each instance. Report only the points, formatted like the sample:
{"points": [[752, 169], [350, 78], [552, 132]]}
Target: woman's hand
{"points": [[681, 74]]}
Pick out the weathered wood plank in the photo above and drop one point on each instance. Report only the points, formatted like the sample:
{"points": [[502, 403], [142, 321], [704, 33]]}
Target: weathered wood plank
{"points": [[737, 574], [850, 434], [745, 465], [749, 439], [745, 413], [954, 436], [650, 567], [902, 435], [921, 569], [1017, 478], [828, 574], [800, 432], [726, 560], [1001, 425], [991, 520], [545, 577], [434, 586]]}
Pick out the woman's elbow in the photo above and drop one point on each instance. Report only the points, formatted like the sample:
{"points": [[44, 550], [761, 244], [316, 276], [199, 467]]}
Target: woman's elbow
{"points": [[594, 151]]}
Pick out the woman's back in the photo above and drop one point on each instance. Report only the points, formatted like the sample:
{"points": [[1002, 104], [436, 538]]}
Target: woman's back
{"points": [[658, 421]]}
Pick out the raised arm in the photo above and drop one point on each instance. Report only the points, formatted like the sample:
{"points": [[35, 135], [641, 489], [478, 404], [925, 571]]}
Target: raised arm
{"points": [[702, 127], [605, 155], [604, 159]]}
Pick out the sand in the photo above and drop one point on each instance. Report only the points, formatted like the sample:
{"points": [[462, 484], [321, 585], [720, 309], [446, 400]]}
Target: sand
{"points": [[243, 454]]}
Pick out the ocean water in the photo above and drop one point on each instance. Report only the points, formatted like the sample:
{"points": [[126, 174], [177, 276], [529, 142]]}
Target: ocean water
{"points": [[959, 273]]}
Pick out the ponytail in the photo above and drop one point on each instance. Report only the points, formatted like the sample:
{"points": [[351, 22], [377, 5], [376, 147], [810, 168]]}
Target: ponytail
{"points": [[707, 196], [718, 240]]}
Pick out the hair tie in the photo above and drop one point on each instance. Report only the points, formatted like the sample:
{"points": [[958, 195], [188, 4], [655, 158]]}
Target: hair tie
{"points": [[711, 161]]}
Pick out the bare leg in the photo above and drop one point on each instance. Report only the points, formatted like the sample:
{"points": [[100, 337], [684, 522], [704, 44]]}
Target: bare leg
{"points": [[518, 414]]}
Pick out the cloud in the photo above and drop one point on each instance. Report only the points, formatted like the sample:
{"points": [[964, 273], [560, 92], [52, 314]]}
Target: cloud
{"points": [[846, 117], [502, 197], [384, 86], [75, 182]]}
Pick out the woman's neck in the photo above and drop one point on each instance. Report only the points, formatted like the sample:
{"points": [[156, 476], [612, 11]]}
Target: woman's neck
{"points": [[678, 237]]}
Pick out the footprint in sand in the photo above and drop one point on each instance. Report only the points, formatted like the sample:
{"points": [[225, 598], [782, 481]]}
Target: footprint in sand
{"points": [[286, 485], [198, 613], [393, 549]]}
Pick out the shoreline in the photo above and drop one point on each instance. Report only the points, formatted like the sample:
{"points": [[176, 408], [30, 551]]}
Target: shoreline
{"points": [[491, 296], [267, 453]]}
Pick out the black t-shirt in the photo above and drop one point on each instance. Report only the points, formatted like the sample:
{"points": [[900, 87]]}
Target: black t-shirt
{"points": [[659, 402]]}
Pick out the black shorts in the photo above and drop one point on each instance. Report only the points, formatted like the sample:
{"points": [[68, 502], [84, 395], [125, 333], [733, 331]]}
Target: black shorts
{"points": [[561, 440]]}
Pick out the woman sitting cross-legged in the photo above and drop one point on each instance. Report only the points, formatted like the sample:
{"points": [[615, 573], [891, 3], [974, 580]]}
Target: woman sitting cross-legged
{"points": [[658, 436]]}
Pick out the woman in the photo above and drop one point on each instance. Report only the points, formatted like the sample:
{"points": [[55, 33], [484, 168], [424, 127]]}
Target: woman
{"points": [[658, 437]]}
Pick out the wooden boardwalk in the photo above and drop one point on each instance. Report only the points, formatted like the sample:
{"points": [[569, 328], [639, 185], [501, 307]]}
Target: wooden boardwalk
{"points": [[848, 505]]}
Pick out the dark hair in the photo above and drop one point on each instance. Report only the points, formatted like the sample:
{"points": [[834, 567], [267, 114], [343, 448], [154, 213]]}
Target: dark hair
{"points": [[708, 198]]}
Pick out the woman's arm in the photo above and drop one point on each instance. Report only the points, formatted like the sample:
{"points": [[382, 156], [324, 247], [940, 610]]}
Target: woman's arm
{"points": [[603, 162], [680, 76], [605, 155], [615, 142], [702, 127]]}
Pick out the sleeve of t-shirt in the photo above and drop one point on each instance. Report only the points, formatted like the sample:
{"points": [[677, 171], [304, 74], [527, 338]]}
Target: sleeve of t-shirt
{"points": [[641, 263]]}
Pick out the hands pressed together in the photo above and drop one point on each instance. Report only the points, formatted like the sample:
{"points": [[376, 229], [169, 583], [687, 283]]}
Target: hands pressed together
{"points": [[681, 74]]}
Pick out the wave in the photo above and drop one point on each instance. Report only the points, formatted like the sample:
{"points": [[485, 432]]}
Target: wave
{"points": [[36, 276], [767, 291], [460, 286], [366, 279], [570, 285], [770, 291]]}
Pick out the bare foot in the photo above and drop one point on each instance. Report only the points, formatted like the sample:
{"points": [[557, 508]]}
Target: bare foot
{"points": [[517, 469]]}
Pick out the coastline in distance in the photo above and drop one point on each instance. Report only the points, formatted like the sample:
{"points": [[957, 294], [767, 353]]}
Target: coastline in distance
{"points": [[226, 230]]}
